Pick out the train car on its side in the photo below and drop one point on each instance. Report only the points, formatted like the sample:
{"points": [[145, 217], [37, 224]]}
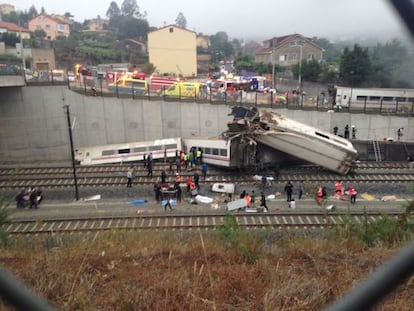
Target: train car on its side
{"points": [[128, 152]]}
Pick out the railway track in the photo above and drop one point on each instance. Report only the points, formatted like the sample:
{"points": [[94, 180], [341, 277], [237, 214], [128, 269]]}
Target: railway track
{"points": [[185, 222], [114, 175]]}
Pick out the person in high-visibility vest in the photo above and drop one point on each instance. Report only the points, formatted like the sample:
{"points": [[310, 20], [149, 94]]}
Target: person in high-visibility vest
{"points": [[248, 199], [193, 189], [339, 188], [352, 193], [198, 156], [319, 195]]}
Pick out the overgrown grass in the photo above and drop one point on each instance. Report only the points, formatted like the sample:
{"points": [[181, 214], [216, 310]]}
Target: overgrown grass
{"points": [[227, 269], [3, 218], [387, 230]]}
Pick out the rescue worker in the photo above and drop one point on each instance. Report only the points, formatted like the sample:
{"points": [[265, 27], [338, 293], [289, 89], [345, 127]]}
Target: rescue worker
{"points": [[288, 191], [319, 195], [339, 188], [198, 156], [193, 189], [352, 193], [177, 178], [248, 199], [188, 182], [263, 201]]}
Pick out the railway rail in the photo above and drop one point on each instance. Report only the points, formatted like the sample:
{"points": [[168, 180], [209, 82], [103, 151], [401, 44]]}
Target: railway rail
{"points": [[188, 222], [114, 175]]}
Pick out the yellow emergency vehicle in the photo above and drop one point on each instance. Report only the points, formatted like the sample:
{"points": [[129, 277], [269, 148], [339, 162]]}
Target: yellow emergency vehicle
{"points": [[184, 89]]}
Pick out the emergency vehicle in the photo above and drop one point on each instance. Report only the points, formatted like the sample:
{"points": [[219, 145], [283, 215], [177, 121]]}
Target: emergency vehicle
{"points": [[185, 89]]}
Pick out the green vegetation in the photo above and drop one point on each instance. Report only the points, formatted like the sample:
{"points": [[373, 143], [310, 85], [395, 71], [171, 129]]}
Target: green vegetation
{"points": [[376, 64], [227, 269], [3, 218]]}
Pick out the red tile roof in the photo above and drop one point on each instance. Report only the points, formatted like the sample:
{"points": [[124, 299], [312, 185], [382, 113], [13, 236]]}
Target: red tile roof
{"points": [[13, 27]]}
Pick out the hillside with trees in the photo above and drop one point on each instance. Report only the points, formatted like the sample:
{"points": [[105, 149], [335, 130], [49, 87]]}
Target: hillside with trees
{"points": [[389, 64]]}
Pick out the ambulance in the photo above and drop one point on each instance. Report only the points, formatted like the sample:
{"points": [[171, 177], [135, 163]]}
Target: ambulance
{"points": [[185, 89]]}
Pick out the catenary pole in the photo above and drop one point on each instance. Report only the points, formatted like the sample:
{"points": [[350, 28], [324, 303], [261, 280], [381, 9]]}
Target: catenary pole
{"points": [[72, 152]]}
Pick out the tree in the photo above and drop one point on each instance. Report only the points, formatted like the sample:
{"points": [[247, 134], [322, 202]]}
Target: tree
{"points": [[130, 8], [310, 70], [10, 39], [39, 33], [32, 12], [113, 10], [388, 61], [355, 66], [181, 20]]}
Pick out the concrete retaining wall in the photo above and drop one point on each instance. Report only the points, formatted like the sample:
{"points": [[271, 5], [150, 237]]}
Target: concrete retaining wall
{"points": [[33, 124]]}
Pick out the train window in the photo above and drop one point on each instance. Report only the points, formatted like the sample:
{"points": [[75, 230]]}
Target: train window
{"points": [[154, 148], [388, 99], [123, 151], [170, 146], [375, 98], [322, 135], [410, 99], [361, 98], [207, 151], [223, 152], [401, 99], [108, 152], [215, 151], [139, 149]]}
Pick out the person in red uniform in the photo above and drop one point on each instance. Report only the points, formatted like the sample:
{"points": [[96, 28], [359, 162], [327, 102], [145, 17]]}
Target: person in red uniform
{"points": [[352, 193]]}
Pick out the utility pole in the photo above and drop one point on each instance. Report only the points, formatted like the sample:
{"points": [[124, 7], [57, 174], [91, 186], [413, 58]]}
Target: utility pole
{"points": [[273, 70], [66, 107], [300, 66]]}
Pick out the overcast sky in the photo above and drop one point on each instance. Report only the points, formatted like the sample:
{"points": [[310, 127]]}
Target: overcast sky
{"points": [[245, 19]]}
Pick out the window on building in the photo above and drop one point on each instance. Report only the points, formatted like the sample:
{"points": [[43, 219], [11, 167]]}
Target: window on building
{"points": [[171, 29], [283, 58]]}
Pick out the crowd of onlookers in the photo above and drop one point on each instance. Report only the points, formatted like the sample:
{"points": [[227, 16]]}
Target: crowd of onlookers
{"points": [[30, 198]]}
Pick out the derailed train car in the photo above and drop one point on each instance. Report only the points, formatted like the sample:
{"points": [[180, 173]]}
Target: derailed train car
{"points": [[238, 151], [294, 138]]}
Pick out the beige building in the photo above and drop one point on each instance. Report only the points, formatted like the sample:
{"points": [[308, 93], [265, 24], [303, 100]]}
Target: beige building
{"points": [[14, 29], [288, 50], [43, 60], [173, 51], [97, 25], [6, 8], [54, 27], [203, 41]]}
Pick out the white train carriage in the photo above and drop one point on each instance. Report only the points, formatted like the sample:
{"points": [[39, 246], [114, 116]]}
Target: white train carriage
{"points": [[219, 151], [306, 142], [383, 98], [128, 152]]}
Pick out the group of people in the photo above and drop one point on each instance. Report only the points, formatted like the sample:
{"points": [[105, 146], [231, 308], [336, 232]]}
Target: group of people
{"points": [[346, 131], [339, 193], [31, 198], [250, 199]]}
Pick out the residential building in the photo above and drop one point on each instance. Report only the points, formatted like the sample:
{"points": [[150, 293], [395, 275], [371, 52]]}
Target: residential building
{"points": [[288, 50], [97, 25], [11, 28], [6, 8], [54, 27], [203, 41], [173, 50]]}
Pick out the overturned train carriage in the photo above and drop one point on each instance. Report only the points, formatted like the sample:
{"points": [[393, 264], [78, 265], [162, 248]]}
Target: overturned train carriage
{"points": [[284, 135]]}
